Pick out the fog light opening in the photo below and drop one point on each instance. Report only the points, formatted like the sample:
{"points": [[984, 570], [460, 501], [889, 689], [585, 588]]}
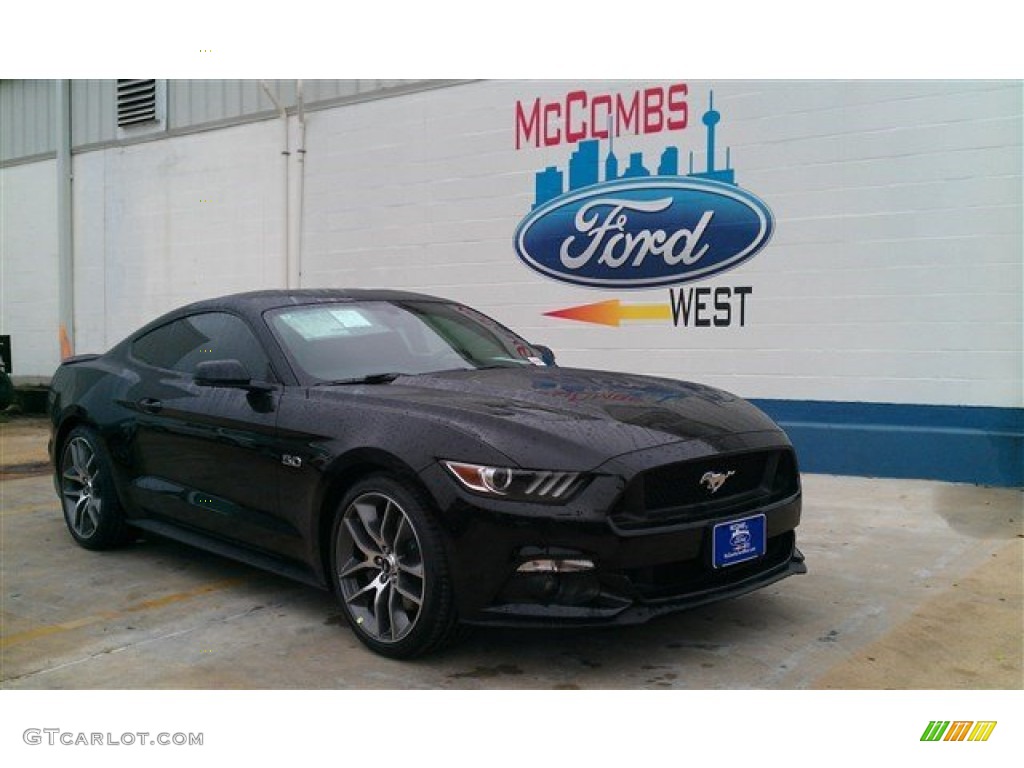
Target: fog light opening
{"points": [[556, 565]]}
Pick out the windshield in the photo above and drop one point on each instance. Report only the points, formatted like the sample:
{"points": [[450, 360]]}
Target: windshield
{"points": [[350, 341]]}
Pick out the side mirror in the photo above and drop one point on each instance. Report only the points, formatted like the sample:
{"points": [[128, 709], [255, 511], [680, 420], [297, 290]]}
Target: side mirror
{"points": [[224, 373], [545, 354]]}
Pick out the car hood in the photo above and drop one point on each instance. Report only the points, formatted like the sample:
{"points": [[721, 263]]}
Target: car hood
{"points": [[565, 417]]}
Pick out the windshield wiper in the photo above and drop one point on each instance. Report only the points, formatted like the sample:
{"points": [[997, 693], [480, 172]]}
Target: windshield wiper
{"points": [[488, 367], [373, 378]]}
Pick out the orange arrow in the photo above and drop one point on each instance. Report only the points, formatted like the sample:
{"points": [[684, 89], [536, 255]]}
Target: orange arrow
{"points": [[613, 312]]}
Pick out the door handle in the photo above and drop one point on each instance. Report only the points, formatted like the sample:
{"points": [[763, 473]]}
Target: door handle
{"points": [[150, 405]]}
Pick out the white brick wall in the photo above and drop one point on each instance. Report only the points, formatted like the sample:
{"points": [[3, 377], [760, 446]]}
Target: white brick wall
{"points": [[168, 222], [894, 275], [156, 225], [28, 267]]}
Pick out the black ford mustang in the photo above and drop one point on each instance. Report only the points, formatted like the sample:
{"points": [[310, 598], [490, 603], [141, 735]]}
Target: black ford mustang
{"points": [[424, 462]]}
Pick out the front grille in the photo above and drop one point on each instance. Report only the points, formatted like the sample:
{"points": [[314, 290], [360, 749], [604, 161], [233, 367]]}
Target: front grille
{"points": [[686, 491], [679, 485]]}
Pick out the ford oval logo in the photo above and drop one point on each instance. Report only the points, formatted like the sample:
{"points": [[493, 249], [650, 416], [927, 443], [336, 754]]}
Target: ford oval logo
{"points": [[644, 233]]}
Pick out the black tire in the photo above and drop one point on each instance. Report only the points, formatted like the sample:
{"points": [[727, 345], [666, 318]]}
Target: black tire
{"points": [[389, 570], [6, 390], [92, 510]]}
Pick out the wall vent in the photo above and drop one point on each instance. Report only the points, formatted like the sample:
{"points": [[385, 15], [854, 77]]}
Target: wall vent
{"points": [[136, 102]]}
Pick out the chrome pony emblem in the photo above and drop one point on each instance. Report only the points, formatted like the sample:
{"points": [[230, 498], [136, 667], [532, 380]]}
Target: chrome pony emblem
{"points": [[715, 480]]}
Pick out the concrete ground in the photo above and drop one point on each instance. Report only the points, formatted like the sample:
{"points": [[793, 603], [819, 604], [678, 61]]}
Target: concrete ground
{"points": [[912, 585]]}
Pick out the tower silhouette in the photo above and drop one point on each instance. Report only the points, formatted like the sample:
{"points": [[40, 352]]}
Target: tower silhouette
{"points": [[711, 119]]}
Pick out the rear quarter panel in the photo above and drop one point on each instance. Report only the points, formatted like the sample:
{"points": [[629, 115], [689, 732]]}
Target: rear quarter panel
{"points": [[88, 390]]}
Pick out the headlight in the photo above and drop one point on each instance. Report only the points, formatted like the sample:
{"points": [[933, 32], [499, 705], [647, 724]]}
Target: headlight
{"points": [[517, 484]]}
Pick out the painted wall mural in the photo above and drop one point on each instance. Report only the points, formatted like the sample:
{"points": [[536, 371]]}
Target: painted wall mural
{"points": [[629, 224]]}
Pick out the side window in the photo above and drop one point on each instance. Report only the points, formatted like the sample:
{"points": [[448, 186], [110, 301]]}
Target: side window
{"points": [[183, 344]]}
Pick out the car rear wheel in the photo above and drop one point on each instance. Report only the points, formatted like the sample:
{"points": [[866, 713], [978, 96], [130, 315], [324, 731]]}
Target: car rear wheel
{"points": [[389, 570], [92, 510]]}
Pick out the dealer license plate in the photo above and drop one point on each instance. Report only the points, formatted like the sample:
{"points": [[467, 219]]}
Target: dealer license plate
{"points": [[738, 541]]}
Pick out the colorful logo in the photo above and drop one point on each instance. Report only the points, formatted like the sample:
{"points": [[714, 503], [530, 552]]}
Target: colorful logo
{"points": [[636, 230], [958, 730]]}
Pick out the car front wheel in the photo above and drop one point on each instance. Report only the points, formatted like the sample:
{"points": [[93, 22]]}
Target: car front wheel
{"points": [[389, 570]]}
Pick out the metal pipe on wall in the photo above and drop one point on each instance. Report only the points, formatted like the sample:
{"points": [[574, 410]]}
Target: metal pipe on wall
{"points": [[285, 152], [301, 192], [65, 235]]}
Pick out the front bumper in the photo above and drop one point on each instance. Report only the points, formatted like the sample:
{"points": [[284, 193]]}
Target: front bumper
{"points": [[617, 601], [637, 575]]}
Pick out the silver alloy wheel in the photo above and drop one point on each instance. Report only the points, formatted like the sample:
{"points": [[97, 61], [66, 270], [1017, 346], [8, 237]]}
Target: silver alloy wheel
{"points": [[380, 567], [83, 505]]}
